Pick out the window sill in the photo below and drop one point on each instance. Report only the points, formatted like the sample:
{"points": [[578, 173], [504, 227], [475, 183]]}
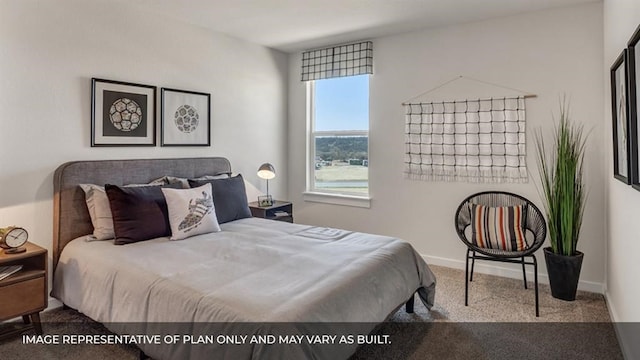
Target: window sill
{"points": [[337, 199]]}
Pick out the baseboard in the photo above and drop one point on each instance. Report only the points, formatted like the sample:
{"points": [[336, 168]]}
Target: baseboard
{"points": [[490, 268], [618, 325], [612, 311], [615, 319]]}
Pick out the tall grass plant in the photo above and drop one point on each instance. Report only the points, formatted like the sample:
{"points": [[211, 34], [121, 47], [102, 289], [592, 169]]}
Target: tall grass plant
{"points": [[560, 166]]}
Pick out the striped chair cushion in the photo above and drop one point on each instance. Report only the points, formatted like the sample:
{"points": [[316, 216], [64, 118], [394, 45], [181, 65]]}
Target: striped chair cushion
{"points": [[498, 227]]}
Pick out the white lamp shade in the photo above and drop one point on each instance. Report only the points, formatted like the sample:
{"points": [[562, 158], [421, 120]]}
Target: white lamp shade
{"points": [[266, 171]]}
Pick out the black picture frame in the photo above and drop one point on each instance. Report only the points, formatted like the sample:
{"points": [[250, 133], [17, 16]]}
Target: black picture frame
{"points": [[186, 118], [633, 61], [265, 201], [620, 119], [122, 113]]}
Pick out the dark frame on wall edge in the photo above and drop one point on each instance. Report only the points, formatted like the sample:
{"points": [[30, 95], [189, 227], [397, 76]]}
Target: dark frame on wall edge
{"points": [[632, 72], [620, 64]]}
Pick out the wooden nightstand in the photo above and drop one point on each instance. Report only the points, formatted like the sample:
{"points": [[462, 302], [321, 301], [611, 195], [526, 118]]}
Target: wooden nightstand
{"points": [[280, 210], [25, 292]]}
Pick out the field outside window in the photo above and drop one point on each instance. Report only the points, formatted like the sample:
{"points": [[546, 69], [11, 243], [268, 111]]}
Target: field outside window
{"points": [[339, 134]]}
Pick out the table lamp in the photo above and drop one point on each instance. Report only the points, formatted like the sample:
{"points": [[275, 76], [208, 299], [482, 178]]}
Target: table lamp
{"points": [[267, 172]]}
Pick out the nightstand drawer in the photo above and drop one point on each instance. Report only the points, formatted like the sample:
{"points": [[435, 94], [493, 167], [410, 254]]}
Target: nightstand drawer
{"points": [[22, 298]]}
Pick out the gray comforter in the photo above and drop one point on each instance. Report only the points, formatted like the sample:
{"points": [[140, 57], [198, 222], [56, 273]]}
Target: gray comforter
{"points": [[256, 277]]}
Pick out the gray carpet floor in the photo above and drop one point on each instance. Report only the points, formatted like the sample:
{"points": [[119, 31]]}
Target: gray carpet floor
{"points": [[499, 323]]}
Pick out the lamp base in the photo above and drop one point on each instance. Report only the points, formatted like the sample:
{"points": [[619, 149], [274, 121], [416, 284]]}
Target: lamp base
{"points": [[265, 201]]}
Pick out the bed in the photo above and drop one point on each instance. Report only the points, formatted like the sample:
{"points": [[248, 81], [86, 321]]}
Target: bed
{"points": [[257, 278]]}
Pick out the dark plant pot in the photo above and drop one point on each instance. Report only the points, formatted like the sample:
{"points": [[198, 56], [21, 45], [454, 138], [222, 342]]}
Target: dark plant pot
{"points": [[564, 273]]}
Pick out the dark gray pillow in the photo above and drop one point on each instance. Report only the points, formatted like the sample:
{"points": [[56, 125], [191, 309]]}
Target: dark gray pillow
{"points": [[229, 198], [139, 213]]}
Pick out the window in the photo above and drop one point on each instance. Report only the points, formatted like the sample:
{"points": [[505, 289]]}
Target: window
{"points": [[339, 136]]}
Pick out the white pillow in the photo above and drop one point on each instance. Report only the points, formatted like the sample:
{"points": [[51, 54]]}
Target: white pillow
{"points": [[100, 212], [191, 211]]}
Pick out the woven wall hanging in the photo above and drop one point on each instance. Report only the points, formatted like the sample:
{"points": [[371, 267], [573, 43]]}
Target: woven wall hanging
{"points": [[471, 140]]}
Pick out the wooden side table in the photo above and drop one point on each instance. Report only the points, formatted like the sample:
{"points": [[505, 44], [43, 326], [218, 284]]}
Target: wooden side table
{"points": [[25, 292], [280, 210]]}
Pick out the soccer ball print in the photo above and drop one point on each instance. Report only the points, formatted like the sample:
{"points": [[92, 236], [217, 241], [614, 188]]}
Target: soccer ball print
{"points": [[186, 118], [125, 114]]}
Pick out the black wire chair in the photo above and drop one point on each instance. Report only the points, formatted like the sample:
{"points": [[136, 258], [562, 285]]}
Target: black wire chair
{"points": [[534, 227]]}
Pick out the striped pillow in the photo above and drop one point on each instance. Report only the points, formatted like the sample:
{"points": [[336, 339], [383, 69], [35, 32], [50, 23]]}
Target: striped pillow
{"points": [[498, 227]]}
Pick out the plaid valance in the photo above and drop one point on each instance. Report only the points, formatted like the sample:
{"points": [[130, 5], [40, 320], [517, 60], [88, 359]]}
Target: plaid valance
{"points": [[338, 61]]}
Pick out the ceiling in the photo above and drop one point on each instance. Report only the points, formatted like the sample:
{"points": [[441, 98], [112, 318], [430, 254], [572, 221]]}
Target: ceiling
{"points": [[292, 25]]}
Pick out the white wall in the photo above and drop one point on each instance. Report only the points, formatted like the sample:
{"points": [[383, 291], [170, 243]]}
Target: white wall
{"points": [[547, 53], [621, 17], [50, 50]]}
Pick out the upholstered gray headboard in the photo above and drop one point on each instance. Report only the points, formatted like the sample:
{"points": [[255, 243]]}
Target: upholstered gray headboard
{"points": [[70, 215]]}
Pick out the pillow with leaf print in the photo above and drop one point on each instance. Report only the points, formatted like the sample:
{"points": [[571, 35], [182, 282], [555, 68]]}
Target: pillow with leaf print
{"points": [[191, 211]]}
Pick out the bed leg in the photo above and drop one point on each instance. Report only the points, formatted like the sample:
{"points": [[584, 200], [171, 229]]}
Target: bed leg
{"points": [[409, 305]]}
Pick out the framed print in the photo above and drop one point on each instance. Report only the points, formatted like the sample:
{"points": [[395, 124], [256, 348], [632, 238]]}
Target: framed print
{"points": [[620, 117], [265, 200], [633, 60], [186, 118], [122, 113]]}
